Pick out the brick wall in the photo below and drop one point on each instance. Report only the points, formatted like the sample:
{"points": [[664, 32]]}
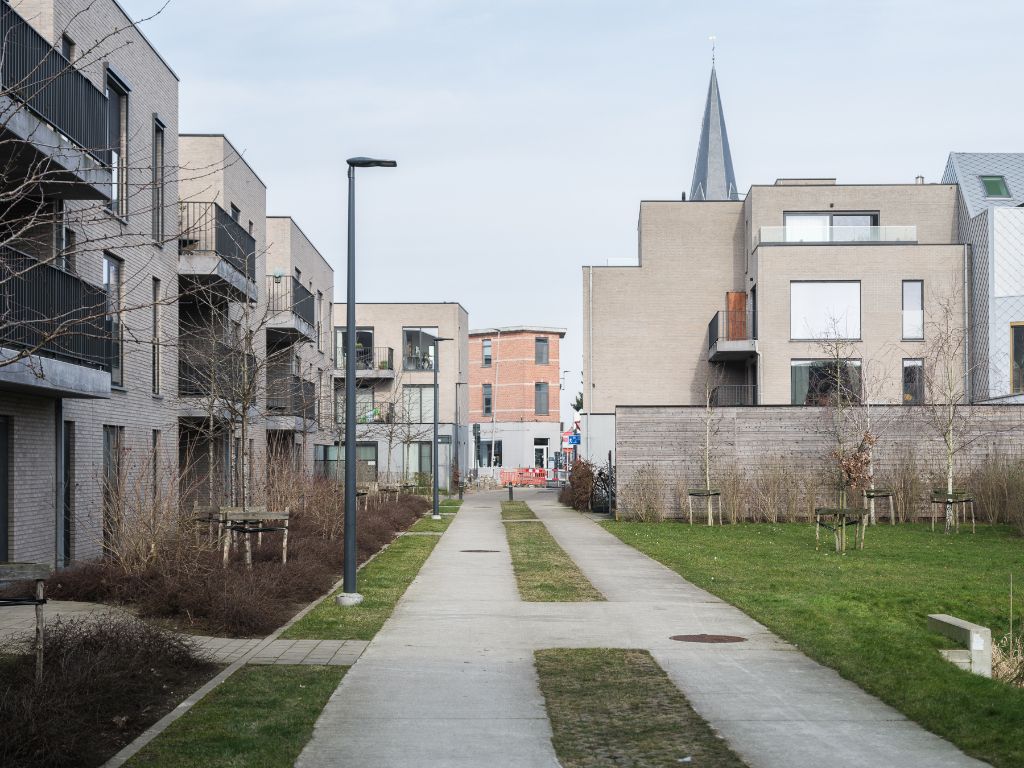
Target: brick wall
{"points": [[513, 375]]}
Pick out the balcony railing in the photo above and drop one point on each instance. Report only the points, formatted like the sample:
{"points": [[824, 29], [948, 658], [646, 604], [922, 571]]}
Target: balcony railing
{"points": [[726, 395], [50, 86], [370, 359], [731, 325], [287, 294], [791, 235], [290, 395], [216, 369], [52, 313], [208, 228], [378, 413]]}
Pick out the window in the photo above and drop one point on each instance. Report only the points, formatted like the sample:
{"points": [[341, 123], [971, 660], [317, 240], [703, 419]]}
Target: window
{"points": [[486, 353], [325, 460], [364, 348], [418, 403], [540, 452], [112, 285], [117, 144], [830, 227], [155, 341], [913, 381], [319, 317], [113, 485], [821, 382], [913, 309], [236, 214], [418, 460], [155, 460], [252, 228], [418, 348], [820, 310], [488, 401], [158, 181], [540, 350], [489, 453], [540, 398], [995, 186], [68, 48], [366, 462], [1017, 357]]}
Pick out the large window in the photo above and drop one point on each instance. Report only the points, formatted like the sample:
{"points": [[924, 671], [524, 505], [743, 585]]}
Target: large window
{"points": [[112, 285], [418, 348], [366, 409], [486, 353], [913, 381], [418, 460], [995, 186], [117, 144], [488, 400], [540, 350], [830, 227], [364, 348], [158, 181], [820, 310], [418, 403], [913, 309], [540, 398], [1017, 357], [824, 382], [488, 453], [113, 483]]}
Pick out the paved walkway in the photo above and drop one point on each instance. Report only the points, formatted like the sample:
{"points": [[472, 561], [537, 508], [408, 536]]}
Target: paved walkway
{"points": [[450, 681]]}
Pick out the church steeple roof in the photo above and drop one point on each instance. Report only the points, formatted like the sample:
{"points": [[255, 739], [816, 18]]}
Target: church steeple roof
{"points": [[713, 177]]}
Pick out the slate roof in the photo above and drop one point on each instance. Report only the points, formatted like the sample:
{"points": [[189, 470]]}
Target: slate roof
{"points": [[966, 168], [713, 177]]}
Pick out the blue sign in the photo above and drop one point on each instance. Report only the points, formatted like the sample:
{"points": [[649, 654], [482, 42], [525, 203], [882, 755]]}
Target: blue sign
{"points": [[574, 439]]}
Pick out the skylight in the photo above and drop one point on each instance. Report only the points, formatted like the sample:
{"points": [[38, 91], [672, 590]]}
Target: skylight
{"points": [[995, 186]]}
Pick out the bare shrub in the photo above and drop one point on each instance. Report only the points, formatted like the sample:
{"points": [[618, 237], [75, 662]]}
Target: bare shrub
{"points": [[773, 489], [1008, 660], [997, 483], [903, 477], [642, 497], [735, 495]]}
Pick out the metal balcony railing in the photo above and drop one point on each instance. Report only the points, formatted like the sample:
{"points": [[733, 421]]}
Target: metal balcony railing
{"points": [[215, 369], [287, 294], [39, 76], [377, 413], [725, 395], [52, 313], [290, 395], [731, 325], [865, 234], [208, 228], [370, 359]]}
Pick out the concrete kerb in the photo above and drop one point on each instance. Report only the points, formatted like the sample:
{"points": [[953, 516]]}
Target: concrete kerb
{"points": [[140, 741]]}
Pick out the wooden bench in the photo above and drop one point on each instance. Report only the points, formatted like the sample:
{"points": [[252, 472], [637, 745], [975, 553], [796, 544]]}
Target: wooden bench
{"points": [[949, 503], [837, 521], [249, 520], [39, 573], [976, 656], [709, 497]]}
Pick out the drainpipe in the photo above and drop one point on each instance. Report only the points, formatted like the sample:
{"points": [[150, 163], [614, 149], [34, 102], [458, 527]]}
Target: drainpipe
{"points": [[589, 402], [968, 394]]}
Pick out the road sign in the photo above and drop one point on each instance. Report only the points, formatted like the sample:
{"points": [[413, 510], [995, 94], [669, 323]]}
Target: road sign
{"points": [[574, 439]]}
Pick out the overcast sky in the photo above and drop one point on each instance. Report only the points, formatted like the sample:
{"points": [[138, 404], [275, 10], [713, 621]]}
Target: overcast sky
{"points": [[527, 131]]}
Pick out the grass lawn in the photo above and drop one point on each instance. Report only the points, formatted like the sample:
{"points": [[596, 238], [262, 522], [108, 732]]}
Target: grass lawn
{"points": [[260, 717], [613, 707], [544, 573], [516, 510], [864, 612], [381, 582], [450, 504], [429, 525]]}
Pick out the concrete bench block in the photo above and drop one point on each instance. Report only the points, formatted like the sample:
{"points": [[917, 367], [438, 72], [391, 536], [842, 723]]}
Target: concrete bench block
{"points": [[975, 638]]}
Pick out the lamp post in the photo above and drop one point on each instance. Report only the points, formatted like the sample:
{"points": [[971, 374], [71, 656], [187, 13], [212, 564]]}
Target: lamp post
{"points": [[436, 514], [349, 595]]}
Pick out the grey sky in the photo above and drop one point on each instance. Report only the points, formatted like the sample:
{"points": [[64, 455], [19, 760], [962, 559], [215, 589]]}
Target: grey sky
{"points": [[527, 131]]}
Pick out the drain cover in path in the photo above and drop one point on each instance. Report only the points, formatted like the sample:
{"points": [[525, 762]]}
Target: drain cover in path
{"points": [[495, 551], [709, 638]]}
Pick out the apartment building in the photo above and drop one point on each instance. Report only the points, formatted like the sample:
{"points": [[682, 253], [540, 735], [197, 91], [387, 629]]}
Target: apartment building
{"points": [[514, 386], [300, 362], [395, 368], [743, 300], [87, 147]]}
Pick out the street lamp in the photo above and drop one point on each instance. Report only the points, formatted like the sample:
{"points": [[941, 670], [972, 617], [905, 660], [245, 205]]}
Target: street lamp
{"points": [[436, 514], [349, 595]]}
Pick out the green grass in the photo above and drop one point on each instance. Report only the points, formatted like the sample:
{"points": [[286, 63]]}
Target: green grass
{"points": [[612, 707], [516, 510], [447, 504], [381, 583], [260, 717], [429, 525], [544, 573], [864, 612]]}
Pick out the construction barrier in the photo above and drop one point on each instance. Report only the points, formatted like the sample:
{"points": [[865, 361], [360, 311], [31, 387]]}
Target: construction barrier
{"points": [[532, 476]]}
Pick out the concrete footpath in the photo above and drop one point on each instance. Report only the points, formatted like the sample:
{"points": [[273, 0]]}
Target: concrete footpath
{"points": [[449, 680]]}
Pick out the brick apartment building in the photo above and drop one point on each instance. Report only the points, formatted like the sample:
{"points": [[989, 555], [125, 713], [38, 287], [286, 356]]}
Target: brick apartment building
{"points": [[514, 403]]}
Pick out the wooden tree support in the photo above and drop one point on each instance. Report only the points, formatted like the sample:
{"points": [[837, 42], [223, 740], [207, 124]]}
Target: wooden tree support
{"points": [[39, 573]]}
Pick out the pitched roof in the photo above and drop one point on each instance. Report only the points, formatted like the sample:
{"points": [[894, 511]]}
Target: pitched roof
{"points": [[713, 177], [967, 168]]}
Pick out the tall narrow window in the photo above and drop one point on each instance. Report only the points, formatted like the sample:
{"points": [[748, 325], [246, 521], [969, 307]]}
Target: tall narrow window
{"points": [[117, 144], [540, 350], [1017, 357], [486, 353], [540, 398], [158, 181], [236, 212], [157, 331], [112, 286], [913, 381], [319, 321], [156, 466], [488, 400], [68, 48], [913, 309], [113, 486]]}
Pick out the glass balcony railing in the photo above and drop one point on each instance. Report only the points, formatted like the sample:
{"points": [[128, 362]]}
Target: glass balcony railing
{"points": [[886, 234]]}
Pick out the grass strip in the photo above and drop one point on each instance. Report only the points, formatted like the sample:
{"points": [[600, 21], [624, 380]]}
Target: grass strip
{"points": [[615, 707], [544, 572], [865, 613], [429, 525], [449, 505], [260, 717], [516, 510], [382, 582]]}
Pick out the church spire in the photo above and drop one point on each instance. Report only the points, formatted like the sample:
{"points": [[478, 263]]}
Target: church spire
{"points": [[713, 177]]}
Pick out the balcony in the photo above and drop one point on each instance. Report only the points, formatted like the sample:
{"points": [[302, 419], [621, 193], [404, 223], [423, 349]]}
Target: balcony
{"points": [[366, 413], [55, 120], [57, 322], [216, 252], [732, 335], [841, 235], [291, 401], [733, 395], [371, 363], [292, 307], [217, 371]]}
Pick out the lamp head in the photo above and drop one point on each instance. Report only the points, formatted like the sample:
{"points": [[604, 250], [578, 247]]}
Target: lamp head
{"points": [[370, 162]]}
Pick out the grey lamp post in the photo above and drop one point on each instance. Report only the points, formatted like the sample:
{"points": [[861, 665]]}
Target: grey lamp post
{"points": [[349, 594], [436, 514]]}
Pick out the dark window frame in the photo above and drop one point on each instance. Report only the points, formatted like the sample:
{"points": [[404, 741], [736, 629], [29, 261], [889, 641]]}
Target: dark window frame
{"points": [[541, 343], [486, 353], [487, 402], [115, 86], [920, 400], [539, 388], [159, 180], [903, 308]]}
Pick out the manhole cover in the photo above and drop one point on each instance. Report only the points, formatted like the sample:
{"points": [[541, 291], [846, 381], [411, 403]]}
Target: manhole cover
{"points": [[708, 638], [495, 551]]}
